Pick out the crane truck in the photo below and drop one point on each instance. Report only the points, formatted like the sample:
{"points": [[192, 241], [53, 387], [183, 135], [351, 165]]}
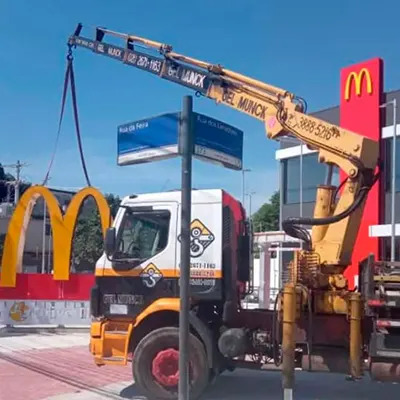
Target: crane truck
{"points": [[317, 324]]}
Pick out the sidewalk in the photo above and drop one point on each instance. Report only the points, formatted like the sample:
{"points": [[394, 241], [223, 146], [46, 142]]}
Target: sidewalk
{"points": [[39, 366]]}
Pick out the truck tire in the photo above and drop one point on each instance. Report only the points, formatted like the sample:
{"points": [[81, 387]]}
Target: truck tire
{"points": [[155, 365]]}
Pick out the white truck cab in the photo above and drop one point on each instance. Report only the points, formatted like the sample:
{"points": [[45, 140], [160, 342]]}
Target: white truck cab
{"points": [[146, 249], [135, 300]]}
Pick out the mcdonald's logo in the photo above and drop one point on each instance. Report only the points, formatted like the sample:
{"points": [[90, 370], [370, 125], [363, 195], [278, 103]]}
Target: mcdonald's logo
{"points": [[358, 78], [62, 225]]}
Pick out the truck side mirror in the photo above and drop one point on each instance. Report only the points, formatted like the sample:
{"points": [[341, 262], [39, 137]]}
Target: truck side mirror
{"points": [[110, 242]]}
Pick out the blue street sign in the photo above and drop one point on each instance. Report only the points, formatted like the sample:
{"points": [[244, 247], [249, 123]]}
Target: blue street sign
{"points": [[157, 138], [217, 142], [147, 140]]}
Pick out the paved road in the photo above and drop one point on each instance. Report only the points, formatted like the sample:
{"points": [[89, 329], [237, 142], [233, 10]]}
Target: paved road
{"points": [[58, 367]]}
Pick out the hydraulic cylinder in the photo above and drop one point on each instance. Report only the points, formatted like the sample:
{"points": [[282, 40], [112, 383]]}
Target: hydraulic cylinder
{"points": [[355, 335], [288, 339]]}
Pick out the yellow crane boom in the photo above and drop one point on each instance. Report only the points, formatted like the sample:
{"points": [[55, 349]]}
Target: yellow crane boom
{"points": [[336, 222]]}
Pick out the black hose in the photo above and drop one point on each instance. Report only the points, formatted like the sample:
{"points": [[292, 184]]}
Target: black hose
{"points": [[63, 101], [330, 220], [77, 128], [339, 187], [303, 103], [291, 226]]}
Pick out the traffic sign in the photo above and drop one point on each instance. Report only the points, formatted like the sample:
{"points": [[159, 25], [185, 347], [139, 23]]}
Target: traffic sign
{"points": [[157, 138]]}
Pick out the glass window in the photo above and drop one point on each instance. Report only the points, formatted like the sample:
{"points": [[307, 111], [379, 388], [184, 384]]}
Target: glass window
{"points": [[314, 174], [336, 176], [386, 248], [291, 168], [387, 164], [143, 235]]}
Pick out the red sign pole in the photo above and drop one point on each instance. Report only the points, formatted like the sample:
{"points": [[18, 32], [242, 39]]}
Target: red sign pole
{"points": [[361, 91]]}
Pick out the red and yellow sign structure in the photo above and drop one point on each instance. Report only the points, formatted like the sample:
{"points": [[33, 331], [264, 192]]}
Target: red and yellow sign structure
{"points": [[62, 225], [361, 87]]}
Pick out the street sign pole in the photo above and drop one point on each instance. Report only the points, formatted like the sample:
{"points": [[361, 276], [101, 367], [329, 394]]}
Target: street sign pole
{"points": [[186, 151]]}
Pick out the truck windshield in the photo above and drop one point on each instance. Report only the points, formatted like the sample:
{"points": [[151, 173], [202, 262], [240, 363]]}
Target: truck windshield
{"points": [[143, 235]]}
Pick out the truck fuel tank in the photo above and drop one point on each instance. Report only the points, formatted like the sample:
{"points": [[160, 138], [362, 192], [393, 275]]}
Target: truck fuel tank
{"points": [[233, 342]]}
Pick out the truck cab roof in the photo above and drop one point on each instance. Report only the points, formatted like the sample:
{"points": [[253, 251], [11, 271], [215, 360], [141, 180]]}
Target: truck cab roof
{"points": [[198, 196]]}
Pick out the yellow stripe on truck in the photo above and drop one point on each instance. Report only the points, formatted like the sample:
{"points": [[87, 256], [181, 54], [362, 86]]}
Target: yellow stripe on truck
{"points": [[167, 273]]}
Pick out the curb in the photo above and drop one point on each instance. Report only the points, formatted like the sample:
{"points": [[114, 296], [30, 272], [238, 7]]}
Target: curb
{"points": [[55, 329]]}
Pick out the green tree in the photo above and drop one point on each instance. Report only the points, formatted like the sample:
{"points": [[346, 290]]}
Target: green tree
{"points": [[3, 187], [2, 173], [113, 202], [267, 216], [87, 244], [7, 177]]}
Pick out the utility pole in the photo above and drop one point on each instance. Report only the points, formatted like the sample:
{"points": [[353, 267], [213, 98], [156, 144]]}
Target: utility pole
{"points": [[250, 195], [244, 170], [44, 233], [8, 185], [186, 151], [18, 167]]}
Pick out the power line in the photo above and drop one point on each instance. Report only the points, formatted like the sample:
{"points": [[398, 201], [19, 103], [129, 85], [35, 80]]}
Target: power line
{"points": [[17, 182]]}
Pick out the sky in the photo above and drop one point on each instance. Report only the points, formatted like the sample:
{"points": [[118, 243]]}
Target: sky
{"points": [[298, 46]]}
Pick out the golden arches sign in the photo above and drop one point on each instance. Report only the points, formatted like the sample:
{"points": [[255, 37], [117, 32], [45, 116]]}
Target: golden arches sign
{"points": [[357, 78], [62, 226]]}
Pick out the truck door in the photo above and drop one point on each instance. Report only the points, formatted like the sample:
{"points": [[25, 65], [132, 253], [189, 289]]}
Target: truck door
{"points": [[146, 236], [143, 268], [152, 233]]}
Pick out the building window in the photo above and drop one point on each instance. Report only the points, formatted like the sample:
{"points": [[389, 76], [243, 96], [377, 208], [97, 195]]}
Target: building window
{"points": [[387, 164], [336, 176], [314, 174], [386, 248]]}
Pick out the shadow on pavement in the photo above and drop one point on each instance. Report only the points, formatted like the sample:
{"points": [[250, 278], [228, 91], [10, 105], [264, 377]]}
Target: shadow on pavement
{"points": [[131, 393], [243, 384]]}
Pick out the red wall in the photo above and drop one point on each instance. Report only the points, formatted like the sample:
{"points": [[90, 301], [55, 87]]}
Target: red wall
{"points": [[44, 287], [360, 113]]}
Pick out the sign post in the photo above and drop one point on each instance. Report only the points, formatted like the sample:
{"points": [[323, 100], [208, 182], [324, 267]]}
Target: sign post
{"points": [[187, 134], [186, 151]]}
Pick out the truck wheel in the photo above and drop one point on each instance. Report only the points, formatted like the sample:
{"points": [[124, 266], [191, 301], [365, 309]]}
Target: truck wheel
{"points": [[155, 365]]}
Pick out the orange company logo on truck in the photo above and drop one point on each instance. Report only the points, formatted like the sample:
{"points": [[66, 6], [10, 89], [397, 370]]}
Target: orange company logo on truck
{"points": [[62, 225], [356, 79]]}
